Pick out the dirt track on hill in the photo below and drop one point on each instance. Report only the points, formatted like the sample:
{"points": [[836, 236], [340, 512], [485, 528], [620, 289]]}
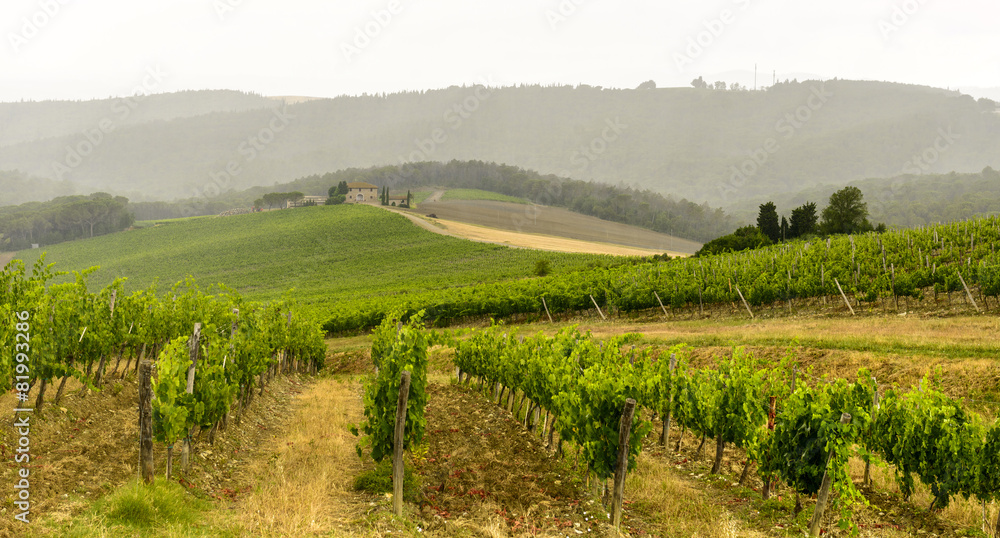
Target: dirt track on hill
{"points": [[555, 221], [6, 257], [507, 238]]}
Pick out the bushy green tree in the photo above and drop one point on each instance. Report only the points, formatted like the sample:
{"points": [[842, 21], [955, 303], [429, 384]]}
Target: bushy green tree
{"points": [[847, 212], [745, 238]]}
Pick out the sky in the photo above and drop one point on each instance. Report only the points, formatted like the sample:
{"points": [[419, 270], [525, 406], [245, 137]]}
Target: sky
{"points": [[69, 49]]}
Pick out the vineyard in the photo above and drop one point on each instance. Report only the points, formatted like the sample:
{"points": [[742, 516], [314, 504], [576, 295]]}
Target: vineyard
{"points": [[866, 271], [793, 428], [320, 256], [334, 263], [211, 352]]}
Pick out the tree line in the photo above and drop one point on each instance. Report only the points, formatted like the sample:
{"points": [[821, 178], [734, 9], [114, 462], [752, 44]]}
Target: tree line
{"points": [[279, 199], [846, 213], [63, 219]]}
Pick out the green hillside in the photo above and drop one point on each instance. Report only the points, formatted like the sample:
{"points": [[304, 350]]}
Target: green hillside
{"points": [[901, 201], [617, 203], [680, 141], [477, 194], [326, 254]]}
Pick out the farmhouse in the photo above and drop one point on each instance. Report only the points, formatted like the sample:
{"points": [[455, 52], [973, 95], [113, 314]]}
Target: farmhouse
{"points": [[362, 193], [397, 200]]}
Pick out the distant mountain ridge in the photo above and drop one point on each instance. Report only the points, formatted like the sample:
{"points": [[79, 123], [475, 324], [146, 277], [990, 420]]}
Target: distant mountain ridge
{"points": [[37, 120], [703, 145]]}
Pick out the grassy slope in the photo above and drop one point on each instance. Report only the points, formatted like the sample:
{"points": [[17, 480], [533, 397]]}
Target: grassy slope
{"points": [[325, 253]]}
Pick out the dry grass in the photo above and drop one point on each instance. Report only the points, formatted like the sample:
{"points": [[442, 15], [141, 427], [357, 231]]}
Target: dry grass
{"points": [[962, 513], [543, 242], [671, 506], [537, 241], [305, 487]]}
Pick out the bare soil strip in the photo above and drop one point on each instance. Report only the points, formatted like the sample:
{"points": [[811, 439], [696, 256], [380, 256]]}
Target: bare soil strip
{"points": [[554, 221]]}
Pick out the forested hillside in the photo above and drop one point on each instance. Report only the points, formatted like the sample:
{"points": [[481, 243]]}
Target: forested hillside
{"points": [[616, 203], [700, 144], [901, 201], [17, 188]]}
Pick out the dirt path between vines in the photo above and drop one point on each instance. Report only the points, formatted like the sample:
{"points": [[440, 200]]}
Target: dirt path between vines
{"points": [[85, 447]]}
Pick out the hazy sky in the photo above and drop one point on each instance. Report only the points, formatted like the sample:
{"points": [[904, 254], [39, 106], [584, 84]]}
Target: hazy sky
{"points": [[67, 49]]}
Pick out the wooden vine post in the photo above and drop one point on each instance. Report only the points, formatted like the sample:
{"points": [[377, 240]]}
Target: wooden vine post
{"points": [[967, 293], [193, 345], [146, 421], [848, 303], [661, 303], [547, 310], [397, 444], [744, 301], [666, 420], [824, 490], [598, 308], [868, 464], [624, 432], [771, 413]]}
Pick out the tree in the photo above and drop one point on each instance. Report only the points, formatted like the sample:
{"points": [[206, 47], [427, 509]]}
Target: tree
{"points": [[747, 237], [720, 85], [803, 221], [699, 83], [648, 85], [767, 222], [336, 199], [847, 212], [342, 188], [784, 229], [409, 197]]}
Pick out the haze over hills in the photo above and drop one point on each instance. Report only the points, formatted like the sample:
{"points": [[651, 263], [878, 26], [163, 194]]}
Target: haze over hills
{"points": [[686, 142], [904, 201], [37, 120]]}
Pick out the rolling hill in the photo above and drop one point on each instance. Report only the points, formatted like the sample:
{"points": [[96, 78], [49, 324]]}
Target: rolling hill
{"points": [[325, 254], [687, 142]]}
